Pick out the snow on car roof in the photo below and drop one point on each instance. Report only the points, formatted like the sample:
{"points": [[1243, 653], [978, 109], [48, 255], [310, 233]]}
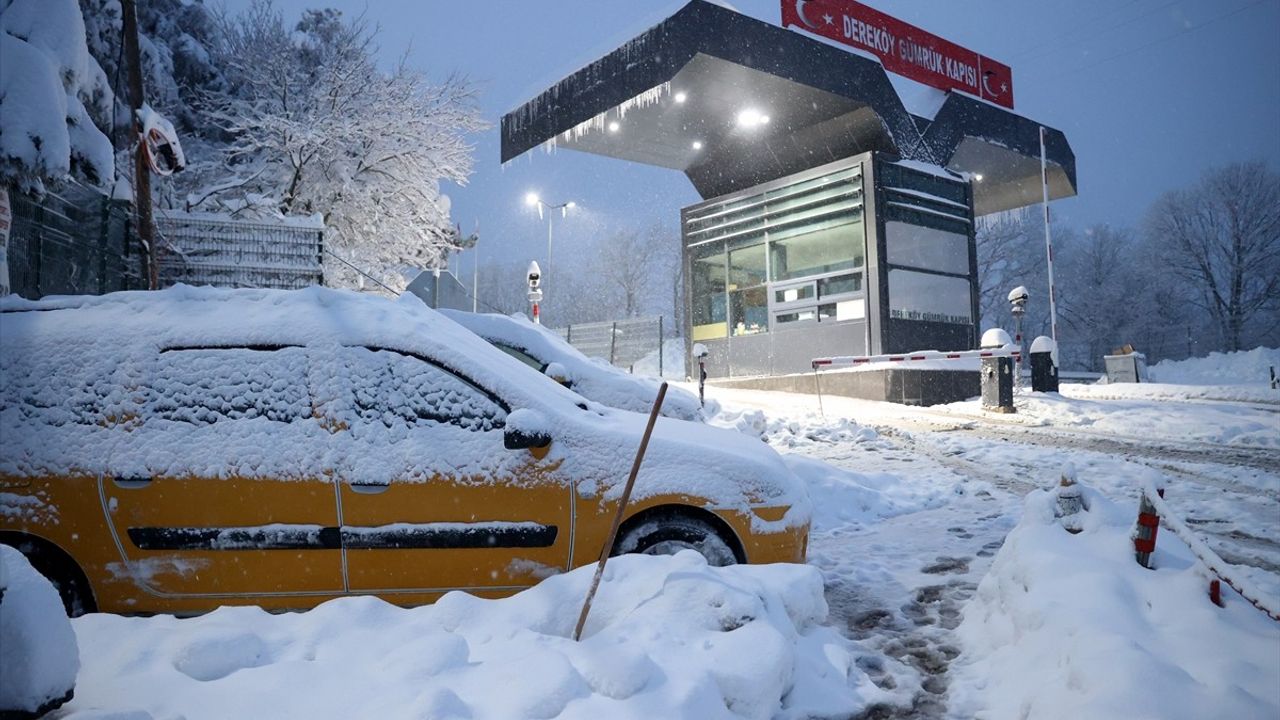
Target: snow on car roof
{"points": [[594, 379], [187, 316]]}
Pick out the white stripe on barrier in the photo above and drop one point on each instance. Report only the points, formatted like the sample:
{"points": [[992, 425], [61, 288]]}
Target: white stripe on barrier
{"points": [[853, 360]]}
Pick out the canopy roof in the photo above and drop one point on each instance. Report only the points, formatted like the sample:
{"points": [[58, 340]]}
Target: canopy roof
{"points": [[672, 97]]}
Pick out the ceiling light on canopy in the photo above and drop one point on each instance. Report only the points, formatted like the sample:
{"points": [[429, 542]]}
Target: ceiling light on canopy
{"points": [[751, 117]]}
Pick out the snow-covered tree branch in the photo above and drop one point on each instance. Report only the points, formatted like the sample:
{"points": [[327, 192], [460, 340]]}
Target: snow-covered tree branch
{"points": [[314, 126]]}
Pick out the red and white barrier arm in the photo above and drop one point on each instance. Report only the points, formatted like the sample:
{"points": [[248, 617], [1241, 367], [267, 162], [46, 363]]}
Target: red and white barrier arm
{"points": [[856, 360]]}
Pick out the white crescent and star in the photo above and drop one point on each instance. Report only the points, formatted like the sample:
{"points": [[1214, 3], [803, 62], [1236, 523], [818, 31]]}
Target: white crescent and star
{"points": [[986, 85], [826, 18]]}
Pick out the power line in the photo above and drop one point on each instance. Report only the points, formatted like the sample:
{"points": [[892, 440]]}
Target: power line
{"points": [[1050, 49], [1158, 41], [1068, 34]]}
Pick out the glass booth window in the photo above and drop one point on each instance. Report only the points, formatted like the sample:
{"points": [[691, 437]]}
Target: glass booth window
{"points": [[828, 245], [709, 311], [748, 298], [926, 248], [929, 297]]}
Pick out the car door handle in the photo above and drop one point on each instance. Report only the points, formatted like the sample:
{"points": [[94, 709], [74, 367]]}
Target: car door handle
{"points": [[131, 483], [369, 488]]}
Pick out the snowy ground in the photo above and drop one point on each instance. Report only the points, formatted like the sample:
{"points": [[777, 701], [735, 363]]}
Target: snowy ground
{"points": [[931, 614], [940, 488]]}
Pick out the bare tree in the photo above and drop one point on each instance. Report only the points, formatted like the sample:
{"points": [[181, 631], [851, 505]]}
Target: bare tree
{"points": [[1011, 253], [1222, 236], [629, 264], [1101, 303]]}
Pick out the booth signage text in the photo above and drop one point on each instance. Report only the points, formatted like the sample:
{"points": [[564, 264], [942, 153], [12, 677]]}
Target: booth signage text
{"points": [[902, 48]]}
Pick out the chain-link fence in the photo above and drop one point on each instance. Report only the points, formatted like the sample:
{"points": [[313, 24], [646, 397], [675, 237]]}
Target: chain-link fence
{"points": [[71, 241], [623, 343], [210, 250]]}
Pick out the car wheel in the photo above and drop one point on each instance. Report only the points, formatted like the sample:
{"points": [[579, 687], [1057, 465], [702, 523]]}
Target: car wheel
{"points": [[670, 534], [50, 561]]}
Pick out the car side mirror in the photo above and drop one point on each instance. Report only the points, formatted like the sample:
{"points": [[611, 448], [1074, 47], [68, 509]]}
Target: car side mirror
{"points": [[557, 372], [513, 439], [526, 429]]}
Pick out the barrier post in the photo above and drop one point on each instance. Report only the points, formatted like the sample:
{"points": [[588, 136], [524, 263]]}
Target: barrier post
{"points": [[1215, 592], [1144, 538], [660, 348]]}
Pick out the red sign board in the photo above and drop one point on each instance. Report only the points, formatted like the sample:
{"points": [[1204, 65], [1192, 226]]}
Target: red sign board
{"points": [[903, 49]]}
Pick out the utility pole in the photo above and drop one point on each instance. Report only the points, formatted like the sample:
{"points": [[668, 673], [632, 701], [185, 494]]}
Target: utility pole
{"points": [[141, 169]]}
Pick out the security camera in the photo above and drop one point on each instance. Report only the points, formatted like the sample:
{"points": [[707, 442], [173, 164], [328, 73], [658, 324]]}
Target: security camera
{"points": [[700, 351], [1018, 295], [535, 275]]}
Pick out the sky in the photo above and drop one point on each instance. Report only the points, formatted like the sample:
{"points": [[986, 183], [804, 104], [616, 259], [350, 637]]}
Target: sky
{"points": [[1150, 94]]}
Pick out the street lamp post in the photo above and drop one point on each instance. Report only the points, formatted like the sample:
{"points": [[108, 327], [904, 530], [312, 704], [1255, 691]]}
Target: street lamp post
{"points": [[532, 200]]}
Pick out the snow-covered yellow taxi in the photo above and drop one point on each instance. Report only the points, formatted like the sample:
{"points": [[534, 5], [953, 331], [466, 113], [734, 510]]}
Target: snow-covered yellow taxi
{"points": [[177, 450]]}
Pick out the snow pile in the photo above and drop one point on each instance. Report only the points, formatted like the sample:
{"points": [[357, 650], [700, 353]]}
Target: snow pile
{"points": [[592, 378], [673, 365], [790, 432], [842, 498], [51, 90], [33, 627], [667, 637], [1247, 367], [1070, 626]]}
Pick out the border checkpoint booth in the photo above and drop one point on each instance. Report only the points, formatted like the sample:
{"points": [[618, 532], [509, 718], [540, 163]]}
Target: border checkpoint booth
{"points": [[835, 221]]}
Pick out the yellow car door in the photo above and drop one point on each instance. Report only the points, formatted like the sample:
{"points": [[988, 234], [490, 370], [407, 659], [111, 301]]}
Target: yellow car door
{"points": [[430, 499], [213, 491]]}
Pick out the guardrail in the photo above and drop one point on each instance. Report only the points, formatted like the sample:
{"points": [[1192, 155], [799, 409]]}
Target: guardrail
{"points": [[621, 343]]}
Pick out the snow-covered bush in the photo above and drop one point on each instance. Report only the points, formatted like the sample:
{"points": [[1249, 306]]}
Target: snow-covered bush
{"points": [[54, 98], [40, 657]]}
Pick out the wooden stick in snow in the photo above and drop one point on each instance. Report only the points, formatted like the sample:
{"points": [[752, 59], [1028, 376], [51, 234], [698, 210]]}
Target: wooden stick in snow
{"points": [[607, 550]]}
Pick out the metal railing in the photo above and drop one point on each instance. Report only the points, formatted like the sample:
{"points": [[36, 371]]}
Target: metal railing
{"points": [[209, 250], [621, 343], [73, 240]]}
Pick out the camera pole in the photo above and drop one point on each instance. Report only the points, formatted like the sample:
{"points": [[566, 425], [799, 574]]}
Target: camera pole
{"points": [[535, 292], [1018, 308]]}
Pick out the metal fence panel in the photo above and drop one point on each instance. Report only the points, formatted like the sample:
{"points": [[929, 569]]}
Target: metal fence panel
{"points": [[622, 343], [70, 241], [209, 250]]}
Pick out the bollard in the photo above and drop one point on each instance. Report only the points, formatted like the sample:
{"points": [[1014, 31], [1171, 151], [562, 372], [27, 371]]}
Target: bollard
{"points": [[997, 384], [996, 374], [1070, 502], [1044, 365], [1144, 539], [1273, 377]]}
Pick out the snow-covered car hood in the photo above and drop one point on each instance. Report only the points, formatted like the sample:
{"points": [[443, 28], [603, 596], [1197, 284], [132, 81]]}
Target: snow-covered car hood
{"points": [[592, 378], [732, 470]]}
